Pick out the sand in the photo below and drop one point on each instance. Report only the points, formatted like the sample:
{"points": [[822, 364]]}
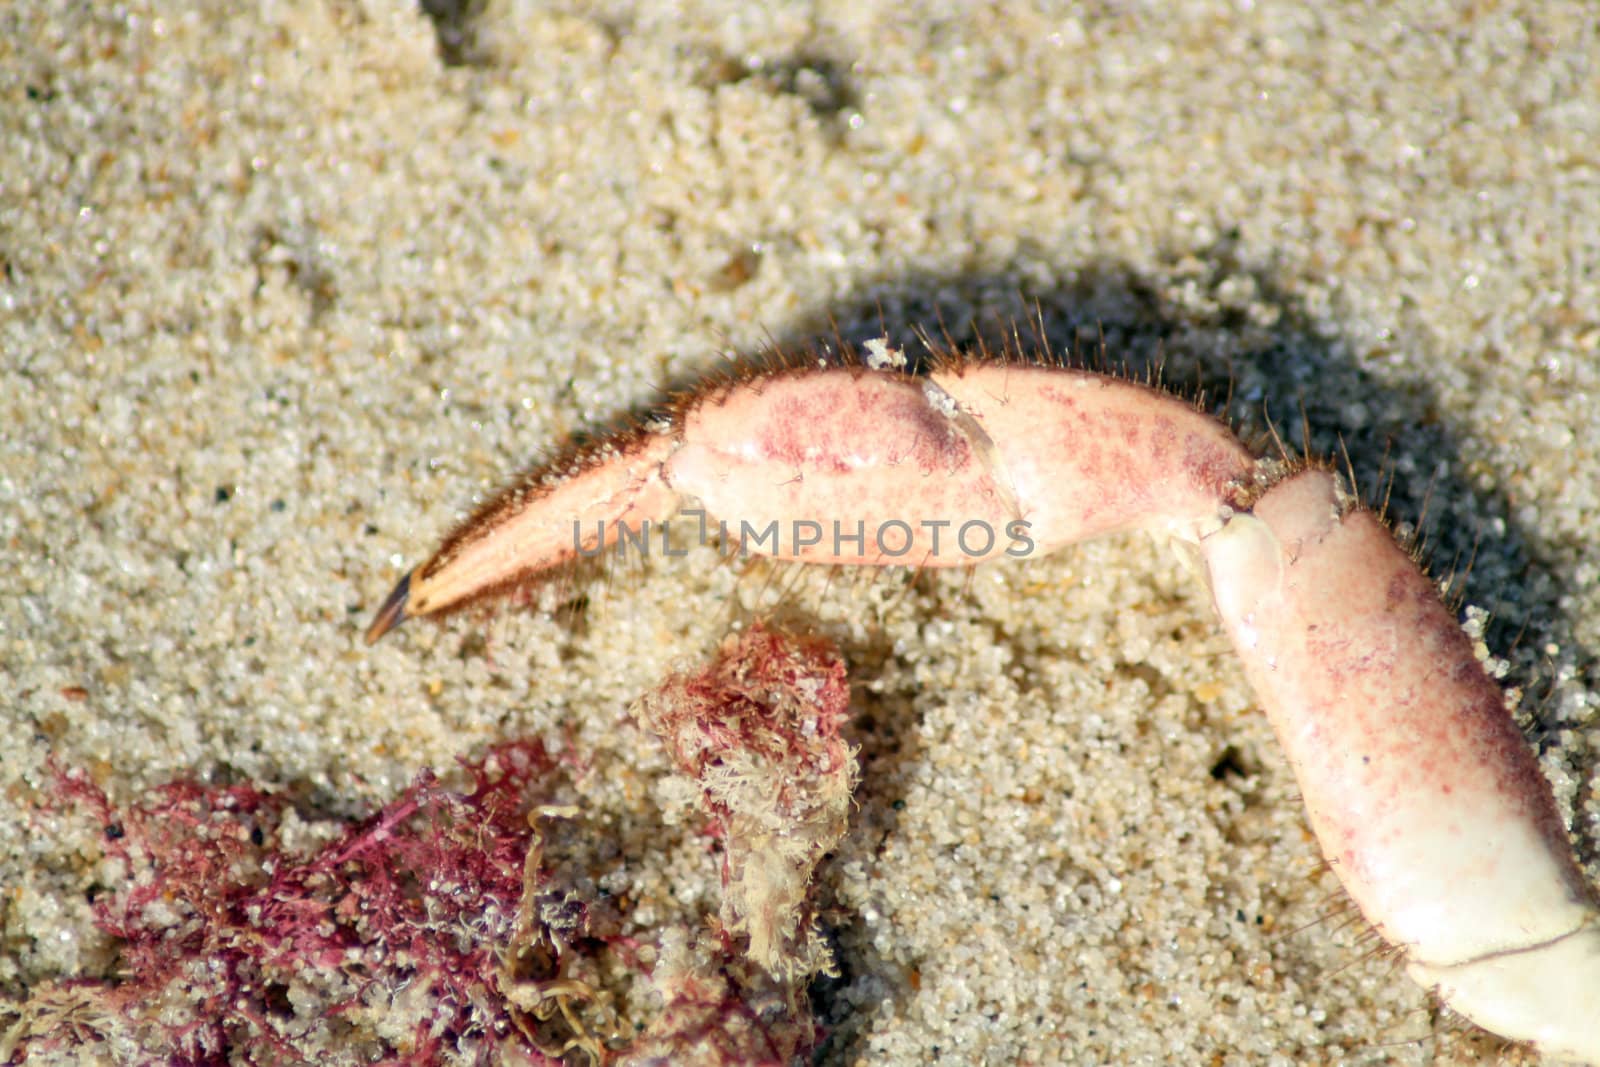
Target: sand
{"points": [[285, 289]]}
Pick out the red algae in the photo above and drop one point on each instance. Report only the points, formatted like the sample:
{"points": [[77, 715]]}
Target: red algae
{"points": [[759, 730], [435, 931], [383, 944]]}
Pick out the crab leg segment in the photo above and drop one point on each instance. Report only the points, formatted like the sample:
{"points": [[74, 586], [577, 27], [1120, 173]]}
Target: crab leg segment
{"points": [[1422, 793], [870, 467], [1087, 455], [537, 524], [1054, 455]]}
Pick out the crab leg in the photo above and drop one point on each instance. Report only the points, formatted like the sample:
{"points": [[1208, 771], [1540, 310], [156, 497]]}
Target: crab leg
{"points": [[850, 466], [534, 526], [1423, 795]]}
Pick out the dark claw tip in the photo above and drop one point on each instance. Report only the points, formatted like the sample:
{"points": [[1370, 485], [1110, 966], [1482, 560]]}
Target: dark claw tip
{"points": [[393, 612]]}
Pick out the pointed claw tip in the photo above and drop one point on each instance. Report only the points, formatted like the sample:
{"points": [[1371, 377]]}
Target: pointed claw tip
{"points": [[393, 612]]}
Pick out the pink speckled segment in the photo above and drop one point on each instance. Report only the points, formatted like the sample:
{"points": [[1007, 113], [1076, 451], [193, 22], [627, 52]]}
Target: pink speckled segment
{"points": [[546, 518], [862, 452], [1419, 786], [1090, 455]]}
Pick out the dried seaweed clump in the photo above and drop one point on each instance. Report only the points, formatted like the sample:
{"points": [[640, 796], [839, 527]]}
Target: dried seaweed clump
{"points": [[722, 1010], [759, 730], [384, 944], [434, 932]]}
